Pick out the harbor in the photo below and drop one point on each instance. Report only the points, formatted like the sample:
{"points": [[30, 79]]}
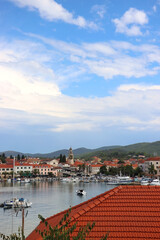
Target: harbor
{"points": [[47, 197]]}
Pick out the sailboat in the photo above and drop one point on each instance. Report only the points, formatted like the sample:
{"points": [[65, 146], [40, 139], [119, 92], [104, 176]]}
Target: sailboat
{"points": [[16, 202]]}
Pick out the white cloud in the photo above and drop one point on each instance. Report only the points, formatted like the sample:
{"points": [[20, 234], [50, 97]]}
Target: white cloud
{"points": [[138, 87], [130, 23], [100, 10], [154, 8], [52, 11], [109, 59], [31, 78]]}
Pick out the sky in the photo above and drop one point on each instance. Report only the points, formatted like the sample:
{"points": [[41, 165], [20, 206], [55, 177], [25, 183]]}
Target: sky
{"points": [[78, 73]]}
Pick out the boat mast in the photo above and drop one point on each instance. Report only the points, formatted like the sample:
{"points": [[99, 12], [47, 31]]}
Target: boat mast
{"points": [[13, 192]]}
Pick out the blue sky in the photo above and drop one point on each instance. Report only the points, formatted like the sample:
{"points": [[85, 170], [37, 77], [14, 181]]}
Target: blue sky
{"points": [[78, 73]]}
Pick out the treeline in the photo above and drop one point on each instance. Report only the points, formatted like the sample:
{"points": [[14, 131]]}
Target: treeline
{"points": [[3, 157], [124, 170], [108, 155]]}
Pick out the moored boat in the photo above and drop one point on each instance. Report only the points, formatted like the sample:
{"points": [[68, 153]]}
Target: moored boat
{"points": [[81, 192], [145, 181], [17, 203], [155, 182]]}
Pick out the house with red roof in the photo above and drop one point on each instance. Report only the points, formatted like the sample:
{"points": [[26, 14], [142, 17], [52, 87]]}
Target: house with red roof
{"points": [[155, 161], [95, 168], [110, 164], [17, 168], [125, 213], [44, 169]]}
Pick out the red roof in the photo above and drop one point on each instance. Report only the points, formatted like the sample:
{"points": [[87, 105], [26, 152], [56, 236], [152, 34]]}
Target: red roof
{"points": [[97, 165], [153, 159], [3, 165], [126, 212]]}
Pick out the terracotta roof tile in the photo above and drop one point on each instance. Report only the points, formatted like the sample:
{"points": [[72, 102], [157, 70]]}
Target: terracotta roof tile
{"points": [[126, 212]]}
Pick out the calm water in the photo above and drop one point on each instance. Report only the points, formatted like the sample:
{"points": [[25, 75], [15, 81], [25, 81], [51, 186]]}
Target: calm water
{"points": [[47, 199]]}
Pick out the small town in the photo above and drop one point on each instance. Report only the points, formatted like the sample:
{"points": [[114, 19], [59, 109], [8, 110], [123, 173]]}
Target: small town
{"points": [[71, 169], [80, 119]]}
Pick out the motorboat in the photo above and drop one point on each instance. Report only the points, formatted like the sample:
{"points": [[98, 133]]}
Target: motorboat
{"points": [[17, 203], [75, 180], [9, 203], [124, 179], [25, 180], [81, 192], [155, 182], [145, 181]]}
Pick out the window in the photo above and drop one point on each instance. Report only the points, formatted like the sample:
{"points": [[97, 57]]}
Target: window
{"points": [[17, 167], [156, 162], [21, 167], [25, 167]]}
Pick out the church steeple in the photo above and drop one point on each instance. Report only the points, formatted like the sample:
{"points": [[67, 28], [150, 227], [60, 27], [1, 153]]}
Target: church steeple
{"points": [[70, 156]]}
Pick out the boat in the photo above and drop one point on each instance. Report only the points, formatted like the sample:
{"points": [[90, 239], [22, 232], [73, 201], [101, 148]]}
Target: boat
{"points": [[145, 181], [155, 182], [81, 192], [124, 180], [25, 180], [119, 180], [17, 203]]}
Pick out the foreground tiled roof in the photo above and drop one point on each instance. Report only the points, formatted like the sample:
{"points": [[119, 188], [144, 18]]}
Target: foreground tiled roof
{"points": [[126, 212]]}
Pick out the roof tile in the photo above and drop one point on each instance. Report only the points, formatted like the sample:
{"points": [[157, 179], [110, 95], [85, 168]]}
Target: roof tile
{"points": [[126, 212]]}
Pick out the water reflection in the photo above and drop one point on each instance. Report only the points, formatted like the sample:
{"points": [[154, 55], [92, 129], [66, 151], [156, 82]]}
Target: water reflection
{"points": [[48, 198]]}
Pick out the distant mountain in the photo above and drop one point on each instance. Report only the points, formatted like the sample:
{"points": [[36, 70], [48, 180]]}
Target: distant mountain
{"points": [[76, 152], [13, 153], [149, 148]]}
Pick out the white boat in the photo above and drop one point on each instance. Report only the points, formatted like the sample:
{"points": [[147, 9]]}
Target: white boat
{"points": [[75, 180], [81, 192], [26, 180], [17, 203], [124, 179], [145, 181], [155, 182]]}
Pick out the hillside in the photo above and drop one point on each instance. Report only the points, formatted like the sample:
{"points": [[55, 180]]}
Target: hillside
{"points": [[148, 148]]}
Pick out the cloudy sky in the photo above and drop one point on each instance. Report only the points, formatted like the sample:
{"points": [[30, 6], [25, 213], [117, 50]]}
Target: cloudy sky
{"points": [[78, 73]]}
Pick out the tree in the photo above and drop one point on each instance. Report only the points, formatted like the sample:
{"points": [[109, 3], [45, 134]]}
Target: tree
{"points": [[62, 158], [50, 174], [81, 167], [21, 173], [138, 172], [18, 157], [36, 172], [64, 229], [3, 158], [14, 236], [152, 170], [103, 170]]}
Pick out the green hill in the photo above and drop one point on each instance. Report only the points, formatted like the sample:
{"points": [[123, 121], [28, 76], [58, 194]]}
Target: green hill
{"points": [[119, 151]]}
